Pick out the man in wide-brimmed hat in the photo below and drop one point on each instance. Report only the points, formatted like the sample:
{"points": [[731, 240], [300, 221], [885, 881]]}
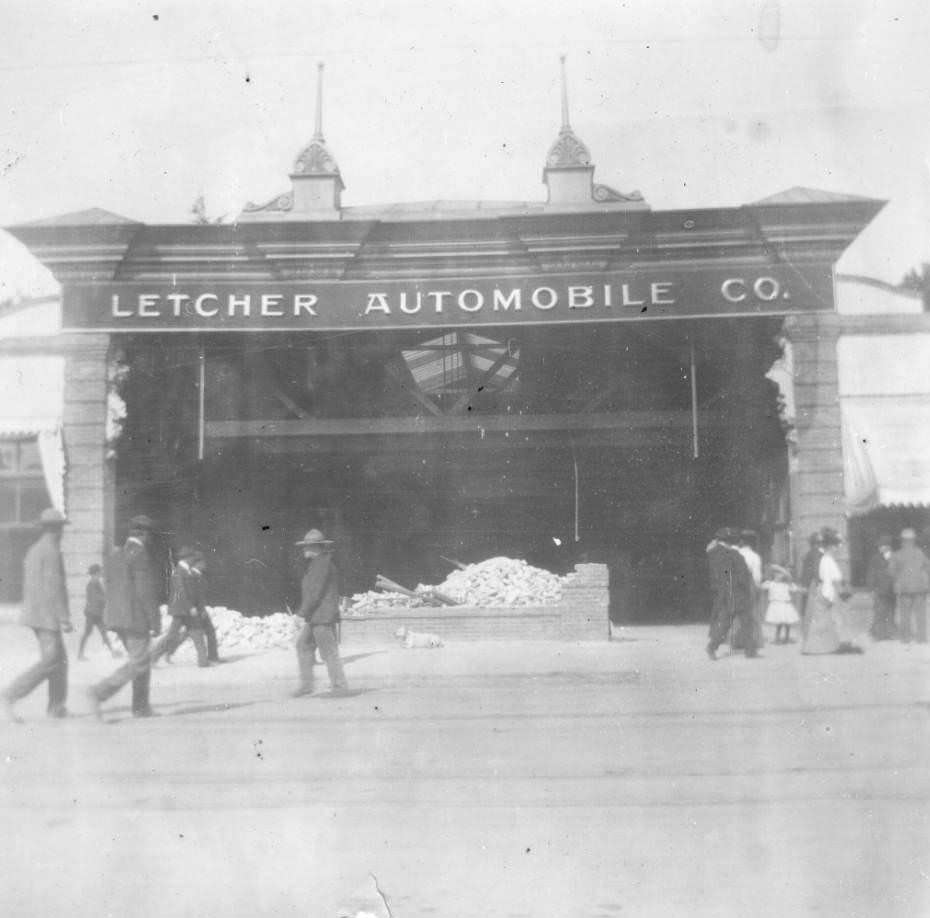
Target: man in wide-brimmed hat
{"points": [[319, 608], [45, 610], [132, 612], [910, 570]]}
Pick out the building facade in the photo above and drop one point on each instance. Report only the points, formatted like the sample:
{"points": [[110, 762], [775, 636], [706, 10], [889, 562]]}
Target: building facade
{"points": [[583, 378]]}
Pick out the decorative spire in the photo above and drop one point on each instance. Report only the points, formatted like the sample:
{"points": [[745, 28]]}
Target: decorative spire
{"points": [[567, 151], [315, 158], [318, 133], [566, 126]]}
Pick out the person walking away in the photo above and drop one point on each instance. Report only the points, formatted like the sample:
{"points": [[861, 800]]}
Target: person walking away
{"points": [[730, 592], [780, 609], [910, 571], [95, 600], [45, 610], [880, 582], [132, 612], [185, 606], [744, 604], [823, 626], [319, 608]]}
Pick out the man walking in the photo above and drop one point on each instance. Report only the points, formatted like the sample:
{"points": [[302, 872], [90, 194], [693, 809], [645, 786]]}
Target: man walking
{"points": [[731, 592], [319, 608], [45, 610], [185, 606], [881, 584], [911, 572], [132, 612]]}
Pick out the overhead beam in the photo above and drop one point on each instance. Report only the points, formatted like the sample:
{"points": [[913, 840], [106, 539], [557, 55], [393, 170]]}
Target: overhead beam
{"points": [[474, 424]]}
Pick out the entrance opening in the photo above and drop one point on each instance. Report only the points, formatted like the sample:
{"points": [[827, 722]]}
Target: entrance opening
{"points": [[413, 448]]}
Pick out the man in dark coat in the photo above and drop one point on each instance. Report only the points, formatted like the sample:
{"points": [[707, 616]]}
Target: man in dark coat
{"points": [[880, 582], [186, 608], [731, 593], [319, 608], [45, 610], [132, 612], [910, 570]]}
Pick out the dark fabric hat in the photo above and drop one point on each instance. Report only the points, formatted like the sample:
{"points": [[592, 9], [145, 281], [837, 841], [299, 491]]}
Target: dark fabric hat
{"points": [[829, 536], [51, 518], [142, 522], [314, 537], [94, 569], [814, 539]]}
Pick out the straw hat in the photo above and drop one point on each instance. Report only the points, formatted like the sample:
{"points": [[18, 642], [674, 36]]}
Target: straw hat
{"points": [[314, 537]]}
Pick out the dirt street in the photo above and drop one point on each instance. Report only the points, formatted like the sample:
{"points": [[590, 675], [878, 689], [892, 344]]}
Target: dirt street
{"points": [[518, 780]]}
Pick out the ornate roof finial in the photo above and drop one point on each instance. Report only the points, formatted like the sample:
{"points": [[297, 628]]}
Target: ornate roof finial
{"points": [[318, 132], [568, 150], [315, 158], [565, 123]]}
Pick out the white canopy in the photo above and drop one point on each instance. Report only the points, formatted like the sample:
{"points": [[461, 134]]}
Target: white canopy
{"points": [[31, 392], [885, 405]]}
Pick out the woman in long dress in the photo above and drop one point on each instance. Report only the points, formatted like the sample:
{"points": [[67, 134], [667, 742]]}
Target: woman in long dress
{"points": [[823, 626]]}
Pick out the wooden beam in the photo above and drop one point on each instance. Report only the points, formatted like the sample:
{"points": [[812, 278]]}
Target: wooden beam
{"points": [[460, 403], [409, 386], [478, 425]]}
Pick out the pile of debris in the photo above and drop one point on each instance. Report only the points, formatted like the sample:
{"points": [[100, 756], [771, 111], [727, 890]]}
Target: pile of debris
{"points": [[503, 582], [236, 632], [493, 583], [375, 601]]}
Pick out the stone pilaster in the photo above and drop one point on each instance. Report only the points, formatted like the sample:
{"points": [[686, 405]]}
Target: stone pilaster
{"points": [[817, 483], [87, 502]]}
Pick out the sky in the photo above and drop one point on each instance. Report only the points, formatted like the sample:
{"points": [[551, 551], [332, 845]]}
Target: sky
{"points": [[138, 108]]}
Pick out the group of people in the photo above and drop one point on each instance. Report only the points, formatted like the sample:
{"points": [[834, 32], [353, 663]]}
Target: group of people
{"points": [[125, 599], [899, 582], [741, 599]]}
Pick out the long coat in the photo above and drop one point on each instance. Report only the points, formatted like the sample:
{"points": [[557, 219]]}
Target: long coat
{"points": [[132, 595], [720, 569], [45, 596], [910, 570], [319, 592], [879, 578]]}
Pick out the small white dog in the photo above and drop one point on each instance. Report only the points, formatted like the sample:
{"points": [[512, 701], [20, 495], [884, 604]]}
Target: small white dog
{"points": [[417, 639]]}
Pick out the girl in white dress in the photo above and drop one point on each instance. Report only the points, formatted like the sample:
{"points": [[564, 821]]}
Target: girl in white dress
{"points": [[780, 610]]}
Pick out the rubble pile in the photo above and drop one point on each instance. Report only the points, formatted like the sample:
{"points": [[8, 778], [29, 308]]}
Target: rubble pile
{"points": [[236, 632], [502, 582], [375, 601]]}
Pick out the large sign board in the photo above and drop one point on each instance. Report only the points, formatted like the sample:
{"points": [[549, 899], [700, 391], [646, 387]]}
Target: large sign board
{"points": [[204, 306]]}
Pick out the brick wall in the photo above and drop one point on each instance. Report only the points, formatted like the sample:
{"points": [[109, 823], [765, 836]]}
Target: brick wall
{"points": [[87, 500], [581, 615]]}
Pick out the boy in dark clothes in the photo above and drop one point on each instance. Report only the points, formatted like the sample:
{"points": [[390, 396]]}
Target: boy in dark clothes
{"points": [[93, 611]]}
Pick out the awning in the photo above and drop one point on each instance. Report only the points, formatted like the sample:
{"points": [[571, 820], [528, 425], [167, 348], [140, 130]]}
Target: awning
{"points": [[31, 395], [886, 451], [885, 404]]}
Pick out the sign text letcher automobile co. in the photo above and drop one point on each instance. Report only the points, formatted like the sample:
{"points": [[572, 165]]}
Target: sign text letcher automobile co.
{"points": [[327, 305]]}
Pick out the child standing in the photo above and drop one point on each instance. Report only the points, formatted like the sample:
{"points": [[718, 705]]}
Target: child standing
{"points": [[780, 610], [93, 611]]}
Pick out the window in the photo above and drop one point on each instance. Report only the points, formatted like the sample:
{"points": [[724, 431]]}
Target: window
{"points": [[23, 495]]}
